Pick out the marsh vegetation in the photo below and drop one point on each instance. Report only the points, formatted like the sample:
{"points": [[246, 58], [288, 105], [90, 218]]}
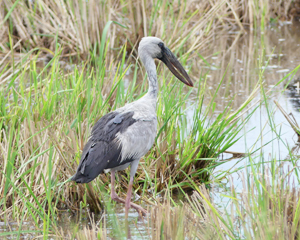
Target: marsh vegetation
{"points": [[225, 164]]}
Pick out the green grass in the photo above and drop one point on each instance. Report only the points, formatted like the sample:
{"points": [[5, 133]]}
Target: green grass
{"points": [[47, 118], [47, 111], [46, 121]]}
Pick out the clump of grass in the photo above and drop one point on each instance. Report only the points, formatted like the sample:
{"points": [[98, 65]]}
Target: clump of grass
{"points": [[268, 208], [181, 153], [196, 218]]}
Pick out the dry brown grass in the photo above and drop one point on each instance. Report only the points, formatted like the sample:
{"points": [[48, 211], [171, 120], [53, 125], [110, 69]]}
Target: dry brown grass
{"points": [[33, 28], [78, 25]]}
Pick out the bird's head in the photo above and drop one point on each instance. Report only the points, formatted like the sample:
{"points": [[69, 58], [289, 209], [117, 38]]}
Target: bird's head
{"points": [[155, 48]]}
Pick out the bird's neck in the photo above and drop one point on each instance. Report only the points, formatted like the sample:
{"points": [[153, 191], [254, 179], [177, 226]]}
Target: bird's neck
{"points": [[152, 78]]}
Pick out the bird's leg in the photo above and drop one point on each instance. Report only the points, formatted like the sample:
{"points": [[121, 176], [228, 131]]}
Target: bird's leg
{"points": [[116, 198], [128, 197], [129, 204], [113, 193]]}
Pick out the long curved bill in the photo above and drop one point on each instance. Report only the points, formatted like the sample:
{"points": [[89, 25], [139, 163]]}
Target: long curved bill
{"points": [[175, 66]]}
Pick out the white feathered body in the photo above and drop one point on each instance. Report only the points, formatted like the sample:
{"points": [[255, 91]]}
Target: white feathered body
{"points": [[137, 139]]}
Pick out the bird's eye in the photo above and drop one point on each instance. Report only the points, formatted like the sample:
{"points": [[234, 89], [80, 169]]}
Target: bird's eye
{"points": [[161, 45]]}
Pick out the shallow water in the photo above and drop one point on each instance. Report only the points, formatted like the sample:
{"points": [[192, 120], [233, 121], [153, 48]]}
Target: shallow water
{"points": [[281, 46]]}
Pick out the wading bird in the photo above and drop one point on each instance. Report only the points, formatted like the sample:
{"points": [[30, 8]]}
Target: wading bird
{"points": [[120, 138]]}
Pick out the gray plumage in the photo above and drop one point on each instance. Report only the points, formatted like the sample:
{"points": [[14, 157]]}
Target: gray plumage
{"points": [[119, 137], [122, 137]]}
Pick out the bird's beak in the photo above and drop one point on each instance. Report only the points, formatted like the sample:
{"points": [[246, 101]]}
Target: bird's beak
{"points": [[175, 66]]}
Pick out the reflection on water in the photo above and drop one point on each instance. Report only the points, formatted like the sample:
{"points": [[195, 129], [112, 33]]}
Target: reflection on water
{"points": [[28, 230], [293, 94], [239, 59]]}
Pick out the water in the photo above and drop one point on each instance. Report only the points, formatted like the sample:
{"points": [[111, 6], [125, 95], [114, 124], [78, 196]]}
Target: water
{"points": [[280, 49]]}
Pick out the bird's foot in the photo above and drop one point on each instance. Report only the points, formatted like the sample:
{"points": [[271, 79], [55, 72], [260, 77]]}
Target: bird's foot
{"points": [[138, 208]]}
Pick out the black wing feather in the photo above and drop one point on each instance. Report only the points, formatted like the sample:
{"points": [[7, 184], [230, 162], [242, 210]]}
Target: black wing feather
{"points": [[102, 151]]}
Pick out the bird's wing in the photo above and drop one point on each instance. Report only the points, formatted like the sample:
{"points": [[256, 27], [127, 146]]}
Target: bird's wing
{"points": [[102, 148]]}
